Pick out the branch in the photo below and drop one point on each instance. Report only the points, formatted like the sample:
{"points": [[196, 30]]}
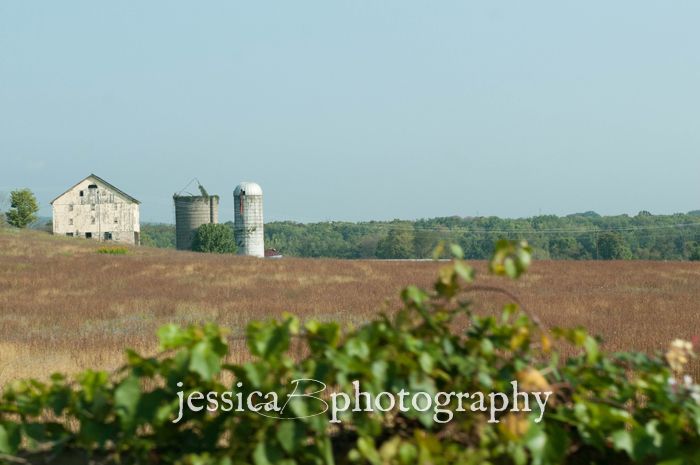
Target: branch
{"points": [[510, 295]]}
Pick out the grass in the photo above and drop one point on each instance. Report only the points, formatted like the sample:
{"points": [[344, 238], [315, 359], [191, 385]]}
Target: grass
{"points": [[64, 307], [113, 250]]}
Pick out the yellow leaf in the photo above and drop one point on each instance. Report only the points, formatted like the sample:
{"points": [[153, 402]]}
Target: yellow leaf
{"points": [[521, 336], [514, 426], [546, 344], [531, 380]]}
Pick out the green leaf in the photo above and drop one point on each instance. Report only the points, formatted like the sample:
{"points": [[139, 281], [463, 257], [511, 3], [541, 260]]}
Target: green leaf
{"points": [[204, 361], [171, 336], [486, 346], [592, 351], [366, 447], [268, 339], [267, 453], [95, 432], [676, 461], [357, 348], [536, 442], [414, 294], [510, 258], [291, 435], [426, 362], [457, 251], [407, 453], [126, 400], [10, 437], [464, 271], [622, 440]]}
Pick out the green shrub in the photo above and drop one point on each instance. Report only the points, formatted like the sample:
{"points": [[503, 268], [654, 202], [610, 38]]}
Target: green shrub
{"points": [[621, 408], [113, 250], [214, 238]]}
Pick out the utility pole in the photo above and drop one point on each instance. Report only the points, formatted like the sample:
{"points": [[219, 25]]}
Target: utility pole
{"points": [[98, 212]]}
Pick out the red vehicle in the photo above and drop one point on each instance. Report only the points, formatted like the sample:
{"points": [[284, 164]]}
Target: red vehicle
{"points": [[272, 253]]}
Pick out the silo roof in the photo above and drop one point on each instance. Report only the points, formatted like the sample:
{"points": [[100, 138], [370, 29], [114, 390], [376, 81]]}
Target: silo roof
{"points": [[249, 188]]}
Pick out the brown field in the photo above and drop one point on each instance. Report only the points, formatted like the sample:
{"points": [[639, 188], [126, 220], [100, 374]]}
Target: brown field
{"points": [[64, 307]]}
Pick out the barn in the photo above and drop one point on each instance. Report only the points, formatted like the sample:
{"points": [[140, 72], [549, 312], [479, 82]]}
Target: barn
{"points": [[95, 209]]}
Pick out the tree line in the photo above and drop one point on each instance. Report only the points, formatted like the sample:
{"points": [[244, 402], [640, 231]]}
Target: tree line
{"points": [[580, 236]]}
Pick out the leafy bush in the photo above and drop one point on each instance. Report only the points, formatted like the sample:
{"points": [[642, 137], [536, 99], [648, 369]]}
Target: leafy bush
{"points": [[113, 250], [620, 408], [214, 238]]}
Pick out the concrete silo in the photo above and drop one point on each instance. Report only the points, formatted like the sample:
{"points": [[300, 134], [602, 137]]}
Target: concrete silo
{"points": [[192, 211], [248, 219]]}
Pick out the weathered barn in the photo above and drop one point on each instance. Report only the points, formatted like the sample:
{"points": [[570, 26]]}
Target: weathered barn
{"points": [[95, 209]]}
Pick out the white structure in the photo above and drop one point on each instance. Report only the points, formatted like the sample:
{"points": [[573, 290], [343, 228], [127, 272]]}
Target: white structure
{"points": [[97, 210], [248, 219]]}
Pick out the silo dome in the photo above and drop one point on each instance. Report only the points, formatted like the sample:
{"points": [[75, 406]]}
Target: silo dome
{"points": [[248, 188], [248, 219]]}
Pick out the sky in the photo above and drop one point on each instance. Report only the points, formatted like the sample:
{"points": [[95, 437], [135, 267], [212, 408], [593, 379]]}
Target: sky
{"points": [[358, 109]]}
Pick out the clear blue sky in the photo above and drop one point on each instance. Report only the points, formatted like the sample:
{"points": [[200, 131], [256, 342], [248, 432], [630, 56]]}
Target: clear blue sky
{"points": [[355, 110]]}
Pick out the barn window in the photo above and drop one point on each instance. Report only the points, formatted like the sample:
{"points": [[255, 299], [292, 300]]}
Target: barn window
{"points": [[82, 193], [93, 220], [88, 235], [69, 234], [108, 236], [70, 221], [92, 186]]}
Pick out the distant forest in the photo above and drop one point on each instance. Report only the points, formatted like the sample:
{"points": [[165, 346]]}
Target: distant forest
{"points": [[580, 236]]}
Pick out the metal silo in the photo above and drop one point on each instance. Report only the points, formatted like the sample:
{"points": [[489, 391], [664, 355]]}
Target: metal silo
{"points": [[192, 211], [248, 219]]}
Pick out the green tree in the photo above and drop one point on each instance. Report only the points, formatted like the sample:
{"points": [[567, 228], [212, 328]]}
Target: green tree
{"points": [[158, 235], [397, 244], [646, 236], [23, 208], [564, 247], [695, 254], [611, 246], [214, 238], [426, 238], [367, 246]]}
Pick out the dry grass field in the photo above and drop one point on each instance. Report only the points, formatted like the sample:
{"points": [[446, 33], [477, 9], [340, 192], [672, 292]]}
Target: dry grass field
{"points": [[64, 307]]}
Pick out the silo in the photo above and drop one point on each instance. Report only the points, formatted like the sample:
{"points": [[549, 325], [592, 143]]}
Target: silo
{"points": [[192, 211], [248, 219]]}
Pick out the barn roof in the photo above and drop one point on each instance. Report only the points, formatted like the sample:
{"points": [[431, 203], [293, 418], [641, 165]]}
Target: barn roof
{"points": [[99, 179]]}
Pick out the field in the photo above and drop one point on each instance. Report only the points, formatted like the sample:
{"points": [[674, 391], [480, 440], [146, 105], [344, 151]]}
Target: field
{"points": [[64, 307]]}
